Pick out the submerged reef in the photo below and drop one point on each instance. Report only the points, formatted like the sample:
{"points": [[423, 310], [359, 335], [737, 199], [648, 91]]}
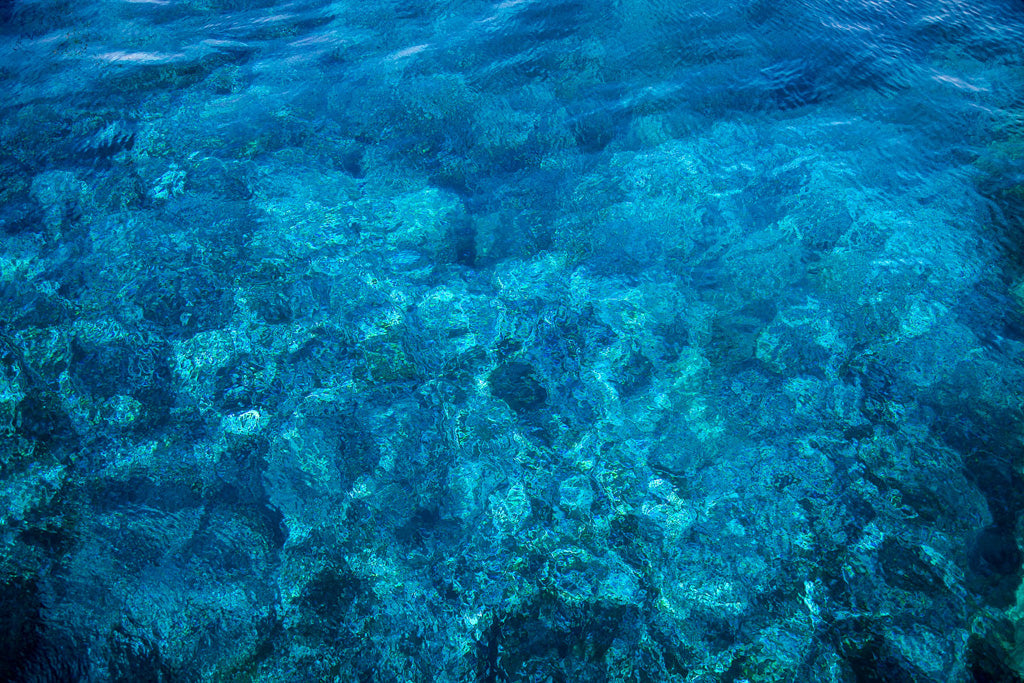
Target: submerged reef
{"points": [[527, 342]]}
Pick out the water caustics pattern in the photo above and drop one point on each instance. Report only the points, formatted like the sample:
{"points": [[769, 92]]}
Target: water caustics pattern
{"points": [[536, 340]]}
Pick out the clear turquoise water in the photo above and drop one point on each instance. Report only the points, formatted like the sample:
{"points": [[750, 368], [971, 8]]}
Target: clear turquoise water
{"points": [[518, 341]]}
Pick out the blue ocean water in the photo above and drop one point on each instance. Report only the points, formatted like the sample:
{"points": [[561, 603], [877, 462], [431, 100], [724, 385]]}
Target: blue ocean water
{"points": [[533, 340]]}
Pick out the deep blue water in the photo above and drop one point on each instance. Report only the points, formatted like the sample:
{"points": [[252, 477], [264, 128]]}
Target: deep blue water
{"points": [[534, 340]]}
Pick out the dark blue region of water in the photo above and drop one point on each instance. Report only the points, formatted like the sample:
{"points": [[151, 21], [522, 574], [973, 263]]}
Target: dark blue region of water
{"points": [[511, 341]]}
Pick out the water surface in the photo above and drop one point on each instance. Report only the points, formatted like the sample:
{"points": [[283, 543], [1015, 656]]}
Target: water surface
{"points": [[528, 341]]}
